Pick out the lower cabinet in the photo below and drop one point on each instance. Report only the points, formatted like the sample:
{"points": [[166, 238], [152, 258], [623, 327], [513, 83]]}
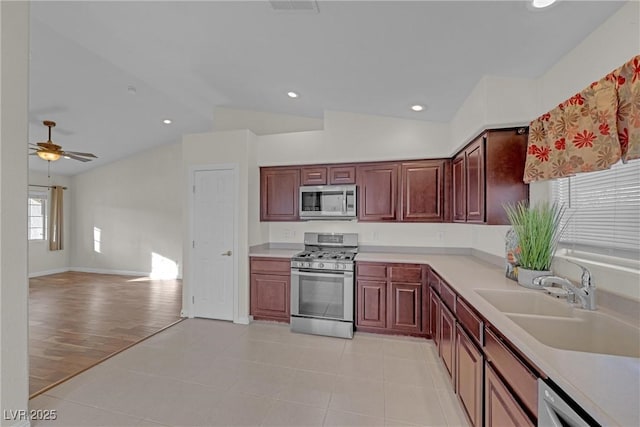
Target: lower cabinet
{"points": [[270, 289], [389, 298], [447, 346], [371, 303], [469, 376], [501, 409]]}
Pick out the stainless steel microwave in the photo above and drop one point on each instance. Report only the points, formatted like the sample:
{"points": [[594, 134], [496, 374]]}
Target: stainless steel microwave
{"points": [[328, 202]]}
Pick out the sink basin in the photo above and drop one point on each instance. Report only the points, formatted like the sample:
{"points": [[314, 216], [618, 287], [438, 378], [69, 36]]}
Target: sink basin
{"points": [[526, 302], [586, 331]]}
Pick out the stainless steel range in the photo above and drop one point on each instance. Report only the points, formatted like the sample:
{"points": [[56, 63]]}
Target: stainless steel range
{"points": [[322, 285]]}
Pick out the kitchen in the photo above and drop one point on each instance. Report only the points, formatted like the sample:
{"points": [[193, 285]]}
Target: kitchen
{"points": [[503, 107]]}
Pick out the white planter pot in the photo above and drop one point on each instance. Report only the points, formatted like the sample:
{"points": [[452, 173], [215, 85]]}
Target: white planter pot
{"points": [[526, 276]]}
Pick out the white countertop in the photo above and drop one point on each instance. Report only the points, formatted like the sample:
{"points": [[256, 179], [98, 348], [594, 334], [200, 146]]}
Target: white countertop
{"points": [[607, 387]]}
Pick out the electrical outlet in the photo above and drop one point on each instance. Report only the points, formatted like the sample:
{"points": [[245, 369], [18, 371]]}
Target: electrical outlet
{"points": [[375, 236], [440, 235]]}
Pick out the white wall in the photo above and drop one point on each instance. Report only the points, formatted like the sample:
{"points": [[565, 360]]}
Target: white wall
{"points": [[41, 260], [14, 286], [350, 137], [136, 203], [262, 123], [221, 148]]}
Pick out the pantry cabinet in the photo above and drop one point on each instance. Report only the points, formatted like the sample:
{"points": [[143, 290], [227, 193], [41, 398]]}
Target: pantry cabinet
{"points": [[270, 285], [279, 194], [487, 174]]}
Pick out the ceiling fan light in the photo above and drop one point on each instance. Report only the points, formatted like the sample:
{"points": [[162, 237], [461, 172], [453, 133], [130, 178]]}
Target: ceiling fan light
{"points": [[45, 155]]}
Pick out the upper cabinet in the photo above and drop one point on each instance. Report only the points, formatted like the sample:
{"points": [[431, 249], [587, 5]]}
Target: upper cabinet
{"points": [[423, 190], [279, 194], [470, 187], [378, 192], [487, 174]]}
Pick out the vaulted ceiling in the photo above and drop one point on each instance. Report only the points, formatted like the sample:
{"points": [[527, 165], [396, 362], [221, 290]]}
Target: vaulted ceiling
{"points": [[110, 72]]}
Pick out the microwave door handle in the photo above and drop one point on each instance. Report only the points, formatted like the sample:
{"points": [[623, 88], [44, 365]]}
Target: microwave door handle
{"points": [[344, 201]]}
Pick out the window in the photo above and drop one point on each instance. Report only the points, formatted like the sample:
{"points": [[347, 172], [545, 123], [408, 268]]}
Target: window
{"points": [[603, 211], [37, 216]]}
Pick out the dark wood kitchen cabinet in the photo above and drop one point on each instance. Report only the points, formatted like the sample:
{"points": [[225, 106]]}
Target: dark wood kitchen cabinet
{"points": [[378, 192], [488, 173], [389, 298], [447, 345], [270, 286], [372, 303], [342, 175], [423, 190], [469, 376], [279, 193], [313, 175], [501, 408]]}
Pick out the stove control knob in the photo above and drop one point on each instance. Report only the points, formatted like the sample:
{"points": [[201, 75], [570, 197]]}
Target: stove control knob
{"points": [[341, 266], [306, 264], [321, 265]]}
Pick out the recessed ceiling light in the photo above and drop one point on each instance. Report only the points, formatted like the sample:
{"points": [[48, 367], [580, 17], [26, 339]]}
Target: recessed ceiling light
{"points": [[417, 107], [293, 94], [539, 4], [167, 121]]}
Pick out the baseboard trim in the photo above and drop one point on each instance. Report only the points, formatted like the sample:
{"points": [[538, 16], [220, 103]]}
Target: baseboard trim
{"points": [[48, 272], [109, 271], [242, 321]]}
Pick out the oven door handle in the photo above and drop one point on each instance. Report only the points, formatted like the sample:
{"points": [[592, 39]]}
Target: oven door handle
{"points": [[314, 274]]}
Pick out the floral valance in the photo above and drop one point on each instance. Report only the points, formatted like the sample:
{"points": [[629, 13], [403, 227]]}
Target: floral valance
{"points": [[590, 131]]}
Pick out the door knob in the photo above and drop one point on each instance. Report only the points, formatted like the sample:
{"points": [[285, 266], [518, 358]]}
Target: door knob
{"points": [[228, 253]]}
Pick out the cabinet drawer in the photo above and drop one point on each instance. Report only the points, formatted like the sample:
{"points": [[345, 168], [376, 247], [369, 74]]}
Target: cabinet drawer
{"points": [[314, 176], [412, 274], [448, 296], [280, 266], [371, 270], [470, 321], [342, 175], [518, 376]]}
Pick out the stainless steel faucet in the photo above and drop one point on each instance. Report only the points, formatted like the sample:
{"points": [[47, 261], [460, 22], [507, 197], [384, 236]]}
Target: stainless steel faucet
{"points": [[586, 294]]}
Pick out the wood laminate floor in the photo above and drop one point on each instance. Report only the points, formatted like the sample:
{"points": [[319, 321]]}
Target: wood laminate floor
{"points": [[78, 319]]}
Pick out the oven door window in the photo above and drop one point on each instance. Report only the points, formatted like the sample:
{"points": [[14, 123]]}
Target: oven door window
{"points": [[321, 296]]}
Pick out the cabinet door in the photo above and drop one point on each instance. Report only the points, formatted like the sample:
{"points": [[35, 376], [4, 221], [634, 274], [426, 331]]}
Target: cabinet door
{"points": [[423, 191], [469, 378], [501, 409], [405, 302], [342, 175], [434, 313], [279, 194], [270, 296], [447, 341], [372, 303], [475, 181], [314, 175], [378, 192], [459, 189]]}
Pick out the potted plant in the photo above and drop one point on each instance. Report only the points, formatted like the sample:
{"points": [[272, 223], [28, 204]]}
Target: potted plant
{"points": [[538, 229]]}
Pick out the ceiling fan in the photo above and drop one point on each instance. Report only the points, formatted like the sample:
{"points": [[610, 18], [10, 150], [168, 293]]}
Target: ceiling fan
{"points": [[52, 152]]}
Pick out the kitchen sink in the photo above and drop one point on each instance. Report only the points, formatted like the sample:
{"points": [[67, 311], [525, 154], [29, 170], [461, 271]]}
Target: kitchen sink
{"points": [[586, 331], [526, 302]]}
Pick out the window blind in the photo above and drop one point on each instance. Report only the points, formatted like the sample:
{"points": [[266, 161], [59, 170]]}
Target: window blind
{"points": [[603, 210]]}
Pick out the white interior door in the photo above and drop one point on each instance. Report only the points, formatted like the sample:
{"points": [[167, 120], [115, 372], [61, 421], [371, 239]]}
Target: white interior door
{"points": [[213, 243]]}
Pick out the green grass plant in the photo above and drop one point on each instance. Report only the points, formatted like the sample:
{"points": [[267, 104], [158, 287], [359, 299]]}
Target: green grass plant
{"points": [[538, 229]]}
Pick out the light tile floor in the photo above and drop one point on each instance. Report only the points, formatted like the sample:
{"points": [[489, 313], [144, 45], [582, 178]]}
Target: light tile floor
{"points": [[211, 373]]}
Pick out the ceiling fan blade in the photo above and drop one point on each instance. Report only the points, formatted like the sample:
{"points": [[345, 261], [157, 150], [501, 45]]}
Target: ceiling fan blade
{"points": [[82, 154], [35, 153], [74, 157]]}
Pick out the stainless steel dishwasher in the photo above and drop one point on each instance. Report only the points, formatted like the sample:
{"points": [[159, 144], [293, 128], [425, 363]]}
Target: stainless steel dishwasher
{"points": [[556, 409]]}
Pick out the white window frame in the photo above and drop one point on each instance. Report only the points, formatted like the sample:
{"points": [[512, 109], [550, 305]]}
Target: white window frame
{"points": [[612, 186], [45, 215]]}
